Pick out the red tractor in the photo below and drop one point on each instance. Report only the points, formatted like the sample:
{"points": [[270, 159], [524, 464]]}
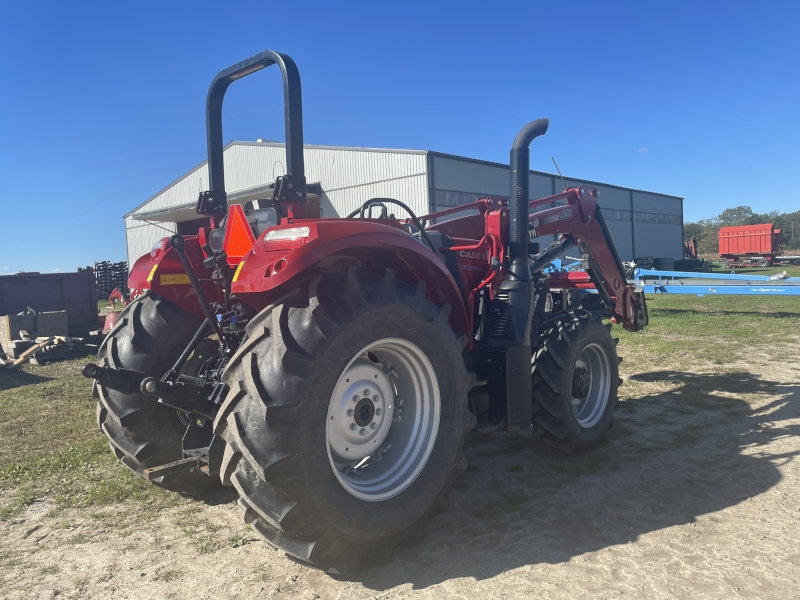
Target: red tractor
{"points": [[329, 369]]}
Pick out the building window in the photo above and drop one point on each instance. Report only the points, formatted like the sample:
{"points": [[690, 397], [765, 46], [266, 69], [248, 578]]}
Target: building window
{"points": [[647, 217], [615, 214], [448, 198]]}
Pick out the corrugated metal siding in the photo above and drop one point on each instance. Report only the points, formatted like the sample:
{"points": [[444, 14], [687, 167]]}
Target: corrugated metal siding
{"points": [[455, 175], [252, 165], [540, 185], [349, 177], [412, 191], [141, 237], [183, 191], [464, 176], [661, 241], [653, 203], [623, 239], [652, 228], [614, 198]]}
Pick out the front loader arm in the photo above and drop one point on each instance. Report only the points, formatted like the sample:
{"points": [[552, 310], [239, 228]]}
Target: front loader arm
{"points": [[581, 223]]}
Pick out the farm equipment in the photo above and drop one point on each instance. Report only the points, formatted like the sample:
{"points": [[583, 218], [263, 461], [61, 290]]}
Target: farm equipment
{"points": [[329, 369], [713, 284], [124, 299], [750, 245], [690, 248]]}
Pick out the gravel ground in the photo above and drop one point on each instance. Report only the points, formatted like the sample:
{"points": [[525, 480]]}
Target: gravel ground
{"points": [[695, 495]]}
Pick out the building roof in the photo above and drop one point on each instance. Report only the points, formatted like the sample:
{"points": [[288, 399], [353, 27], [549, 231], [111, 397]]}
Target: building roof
{"points": [[384, 151]]}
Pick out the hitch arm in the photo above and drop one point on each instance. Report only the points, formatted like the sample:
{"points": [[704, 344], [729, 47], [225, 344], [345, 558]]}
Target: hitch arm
{"points": [[186, 397], [121, 380], [583, 223], [188, 394]]}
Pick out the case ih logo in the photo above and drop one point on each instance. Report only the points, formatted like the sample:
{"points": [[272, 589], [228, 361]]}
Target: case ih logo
{"points": [[473, 255]]}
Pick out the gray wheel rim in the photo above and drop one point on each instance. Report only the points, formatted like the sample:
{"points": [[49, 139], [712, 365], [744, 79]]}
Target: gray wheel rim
{"points": [[383, 419], [588, 408]]}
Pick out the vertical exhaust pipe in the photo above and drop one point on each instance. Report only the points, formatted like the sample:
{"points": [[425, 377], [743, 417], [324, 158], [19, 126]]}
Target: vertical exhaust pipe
{"points": [[513, 306], [519, 197]]}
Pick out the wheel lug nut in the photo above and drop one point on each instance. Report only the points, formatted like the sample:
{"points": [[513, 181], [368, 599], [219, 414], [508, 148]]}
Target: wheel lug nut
{"points": [[378, 411], [366, 392], [363, 431], [398, 418], [373, 425], [356, 398], [399, 403], [350, 412], [376, 398], [353, 426]]}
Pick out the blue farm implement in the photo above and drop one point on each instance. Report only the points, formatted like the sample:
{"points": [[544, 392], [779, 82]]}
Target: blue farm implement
{"points": [[683, 282]]}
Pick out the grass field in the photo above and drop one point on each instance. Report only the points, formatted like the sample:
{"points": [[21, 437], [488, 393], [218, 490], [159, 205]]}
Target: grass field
{"points": [[791, 271], [50, 445], [705, 395]]}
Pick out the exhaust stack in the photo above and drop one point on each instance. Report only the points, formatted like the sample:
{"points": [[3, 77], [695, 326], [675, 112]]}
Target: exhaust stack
{"points": [[518, 198], [511, 311]]}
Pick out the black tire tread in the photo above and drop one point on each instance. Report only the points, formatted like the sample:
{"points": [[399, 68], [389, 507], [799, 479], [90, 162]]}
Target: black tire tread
{"points": [[551, 420], [265, 468], [149, 335]]}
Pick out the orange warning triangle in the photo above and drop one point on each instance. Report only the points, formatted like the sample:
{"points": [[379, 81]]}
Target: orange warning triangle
{"points": [[239, 238]]}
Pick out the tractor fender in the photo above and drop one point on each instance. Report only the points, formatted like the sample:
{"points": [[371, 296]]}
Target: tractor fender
{"points": [[162, 272], [272, 266]]}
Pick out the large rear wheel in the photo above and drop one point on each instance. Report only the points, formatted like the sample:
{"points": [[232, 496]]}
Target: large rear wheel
{"points": [[346, 416], [149, 336]]}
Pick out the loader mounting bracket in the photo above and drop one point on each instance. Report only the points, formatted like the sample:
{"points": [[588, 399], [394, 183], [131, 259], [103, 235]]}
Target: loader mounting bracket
{"points": [[212, 204]]}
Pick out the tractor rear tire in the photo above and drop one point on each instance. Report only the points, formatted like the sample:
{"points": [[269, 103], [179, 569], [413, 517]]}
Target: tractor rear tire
{"points": [[149, 336], [575, 382], [286, 417]]}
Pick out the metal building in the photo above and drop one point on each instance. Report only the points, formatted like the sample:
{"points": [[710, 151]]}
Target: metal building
{"points": [[341, 179]]}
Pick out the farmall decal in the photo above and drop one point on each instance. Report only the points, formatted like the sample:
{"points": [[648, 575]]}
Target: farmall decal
{"points": [[561, 216]]}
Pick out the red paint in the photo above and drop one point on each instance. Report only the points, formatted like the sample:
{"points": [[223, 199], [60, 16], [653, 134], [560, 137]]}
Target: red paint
{"points": [[750, 240], [479, 242], [168, 264], [339, 243], [110, 320]]}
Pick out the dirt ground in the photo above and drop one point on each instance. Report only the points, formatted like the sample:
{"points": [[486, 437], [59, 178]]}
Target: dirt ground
{"points": [[695, 495]]}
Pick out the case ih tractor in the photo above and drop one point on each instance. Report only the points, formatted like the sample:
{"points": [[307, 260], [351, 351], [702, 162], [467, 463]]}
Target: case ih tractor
{"points": [[329, 369]]}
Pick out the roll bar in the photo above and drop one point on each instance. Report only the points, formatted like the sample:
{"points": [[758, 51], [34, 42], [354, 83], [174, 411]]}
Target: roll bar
{"points": [[214, 202]]}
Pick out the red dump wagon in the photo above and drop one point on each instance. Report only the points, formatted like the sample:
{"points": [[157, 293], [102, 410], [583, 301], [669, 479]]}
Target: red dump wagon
{"points": [[759, 243]]}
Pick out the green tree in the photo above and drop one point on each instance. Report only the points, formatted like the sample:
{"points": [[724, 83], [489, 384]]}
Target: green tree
{"points": [[741, 215]]}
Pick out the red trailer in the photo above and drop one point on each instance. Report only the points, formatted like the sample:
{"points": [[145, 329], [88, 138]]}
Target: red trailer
{"points": [[759, 243]]}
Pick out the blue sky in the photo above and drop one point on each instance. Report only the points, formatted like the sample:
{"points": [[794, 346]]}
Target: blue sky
{"points": [[102, 102]]}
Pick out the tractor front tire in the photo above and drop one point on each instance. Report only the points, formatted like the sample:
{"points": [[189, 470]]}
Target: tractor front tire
{"points": [[346, 417], [575, 382], [149, 336]]}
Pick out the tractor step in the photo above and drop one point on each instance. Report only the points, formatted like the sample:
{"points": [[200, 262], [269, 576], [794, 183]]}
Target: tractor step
{"points": [[168, 469]]}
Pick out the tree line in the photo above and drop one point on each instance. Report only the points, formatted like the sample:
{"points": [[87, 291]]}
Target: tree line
{"points": [[706, 231]]}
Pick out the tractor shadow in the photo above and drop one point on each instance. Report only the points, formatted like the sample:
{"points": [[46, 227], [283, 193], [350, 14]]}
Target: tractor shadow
{"points": [[695, 449], [10, 379], [678, 312]]}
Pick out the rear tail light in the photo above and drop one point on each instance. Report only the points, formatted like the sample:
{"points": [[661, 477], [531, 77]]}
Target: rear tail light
{"points": [[158, 247], [290, 233], [285, 239]]}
